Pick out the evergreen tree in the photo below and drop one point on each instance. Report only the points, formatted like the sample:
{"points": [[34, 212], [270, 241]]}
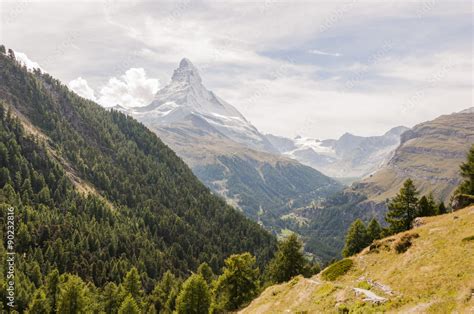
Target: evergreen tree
{"points": [[441, 209], [206, 272], [356, 238], [132, 284], [426, 207], [467, 172], [402, 209], [39, 304], [289, 260], [129, 306], [165, 292], [194, 297], [73, 296], [52, 287], [238, 284], [110, 298], [374, 231]]}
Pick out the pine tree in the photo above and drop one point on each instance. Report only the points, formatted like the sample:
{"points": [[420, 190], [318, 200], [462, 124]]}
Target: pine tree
{"points": [[441, 209], [129, 306], [374, 231], [52, 287], [289, 260], [206, 272], [39, 304], [73, 296], [356, 238], [238, 283], [110, 298], [165, 292], [426, 207], [402, 209], [132, 284], [467, 172], [194, 297]]}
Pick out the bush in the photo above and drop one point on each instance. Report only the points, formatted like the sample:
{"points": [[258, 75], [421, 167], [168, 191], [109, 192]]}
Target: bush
{"points": [[402, 245], [467, 239], [337, 269]]}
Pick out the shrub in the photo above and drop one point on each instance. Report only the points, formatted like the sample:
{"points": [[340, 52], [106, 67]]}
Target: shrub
{"points": [[467, 239], [337, 269], [402, 245]]}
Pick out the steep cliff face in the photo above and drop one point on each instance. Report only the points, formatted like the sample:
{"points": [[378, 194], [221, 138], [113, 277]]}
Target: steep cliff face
{"points": [[430, 154]]}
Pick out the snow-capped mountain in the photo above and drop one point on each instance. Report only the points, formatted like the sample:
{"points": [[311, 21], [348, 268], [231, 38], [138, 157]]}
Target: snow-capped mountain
{"points": [[228, 154], [185, 98], [350, 156]]}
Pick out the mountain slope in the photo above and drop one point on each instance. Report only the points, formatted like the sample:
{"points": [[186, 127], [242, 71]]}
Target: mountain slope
{"points": [[435, 275], [228, 154], [348, 157], [430, 154], [96, 192]]}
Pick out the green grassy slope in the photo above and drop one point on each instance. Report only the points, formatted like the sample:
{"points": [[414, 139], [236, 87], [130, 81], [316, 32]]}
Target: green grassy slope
{"points": [[434, 275]]}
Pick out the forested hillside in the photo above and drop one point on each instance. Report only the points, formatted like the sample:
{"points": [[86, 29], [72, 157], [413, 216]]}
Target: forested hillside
{"points": [[95, 193]]}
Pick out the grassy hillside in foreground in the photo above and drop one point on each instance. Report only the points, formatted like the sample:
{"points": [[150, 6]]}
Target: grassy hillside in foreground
{"points": [[434, 275]]}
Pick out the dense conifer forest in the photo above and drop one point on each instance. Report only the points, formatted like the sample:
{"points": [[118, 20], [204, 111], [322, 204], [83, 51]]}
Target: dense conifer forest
{"points": [[102, 207]]}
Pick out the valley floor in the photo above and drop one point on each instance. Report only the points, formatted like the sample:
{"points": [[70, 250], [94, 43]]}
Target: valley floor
{"points": [[434, 275]]}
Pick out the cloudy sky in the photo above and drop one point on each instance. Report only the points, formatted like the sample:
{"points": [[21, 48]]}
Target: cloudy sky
{"points": [[311, 68]]}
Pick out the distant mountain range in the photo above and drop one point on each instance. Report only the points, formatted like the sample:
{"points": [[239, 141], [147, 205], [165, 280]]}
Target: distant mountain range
{"points": [[350, 157], [229, 154], [277, 181]]}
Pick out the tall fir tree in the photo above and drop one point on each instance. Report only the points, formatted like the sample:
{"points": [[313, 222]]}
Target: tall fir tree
{"points": [[402, 209], [289, 260], [441, 209], [238, 284], [356, 238], [129, 306], [165, 292], [132, 284], [73, 296], [374, 230], [467, 172], [206, 272], [39, 304], [426, 207], [194, 297]]}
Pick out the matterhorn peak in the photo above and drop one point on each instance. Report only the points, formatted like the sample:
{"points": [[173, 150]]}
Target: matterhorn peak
{"points": [[186, 72]]}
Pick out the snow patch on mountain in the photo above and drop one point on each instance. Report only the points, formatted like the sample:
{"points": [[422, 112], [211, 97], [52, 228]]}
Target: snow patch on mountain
{"points": [[350, 156]]}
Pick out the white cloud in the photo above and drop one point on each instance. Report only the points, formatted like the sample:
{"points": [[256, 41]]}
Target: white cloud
{"points": [[323, 53], [133, 89], [82, 88], [251, 55], [23, 59]]}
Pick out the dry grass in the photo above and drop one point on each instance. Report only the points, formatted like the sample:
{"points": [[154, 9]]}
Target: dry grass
{"points": [[431, 159], [434, 275]]}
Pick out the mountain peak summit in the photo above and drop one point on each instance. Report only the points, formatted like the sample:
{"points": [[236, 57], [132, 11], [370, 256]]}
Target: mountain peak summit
{"points": [[186, 72]]}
